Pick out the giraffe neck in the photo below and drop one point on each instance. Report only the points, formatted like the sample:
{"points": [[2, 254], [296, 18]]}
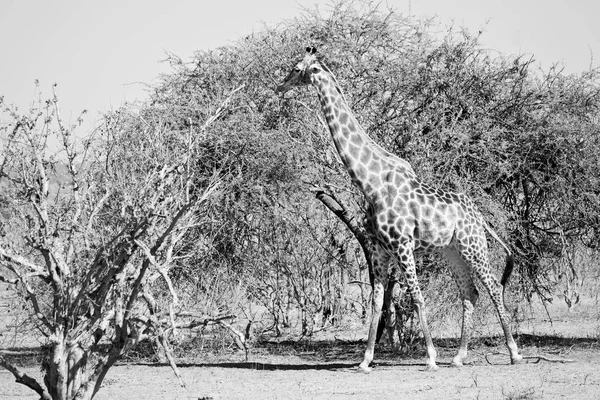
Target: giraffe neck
{"points": [[366, 162]]}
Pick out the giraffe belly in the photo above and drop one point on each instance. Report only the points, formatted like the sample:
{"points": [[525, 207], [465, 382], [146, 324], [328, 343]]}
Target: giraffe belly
{"points": [[427, 234]]}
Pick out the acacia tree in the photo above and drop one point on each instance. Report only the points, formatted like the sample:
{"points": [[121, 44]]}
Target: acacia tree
{"points": [[92, 234], [519, 141]]}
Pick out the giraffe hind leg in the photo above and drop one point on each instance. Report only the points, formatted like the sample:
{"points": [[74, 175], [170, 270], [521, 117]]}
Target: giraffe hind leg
{"points": [[481, 267]]}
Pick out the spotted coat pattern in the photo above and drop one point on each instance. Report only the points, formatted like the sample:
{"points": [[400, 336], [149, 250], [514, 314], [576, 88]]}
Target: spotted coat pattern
{"points": [[406, 216]]}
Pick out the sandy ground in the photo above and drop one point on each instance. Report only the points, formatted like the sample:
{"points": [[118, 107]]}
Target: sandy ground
{"points": [[327, 370], [303, 376]]}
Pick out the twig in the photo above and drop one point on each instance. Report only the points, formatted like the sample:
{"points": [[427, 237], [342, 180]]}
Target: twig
{"points": [[537, 358], [169, 354], [356, 282], [205, 320]]}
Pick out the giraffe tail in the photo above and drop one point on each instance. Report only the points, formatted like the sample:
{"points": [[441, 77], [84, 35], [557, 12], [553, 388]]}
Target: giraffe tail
{"points": [[510, 259], [510, 264]]}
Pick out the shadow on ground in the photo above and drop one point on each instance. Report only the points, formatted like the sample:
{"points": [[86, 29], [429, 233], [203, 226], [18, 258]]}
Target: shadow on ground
{"points": [[336, 354]]}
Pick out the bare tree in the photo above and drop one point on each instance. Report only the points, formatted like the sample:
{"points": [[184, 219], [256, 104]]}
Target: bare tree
{"points": [[94, 231]]}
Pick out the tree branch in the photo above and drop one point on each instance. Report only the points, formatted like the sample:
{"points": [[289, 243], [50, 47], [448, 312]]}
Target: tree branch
{"points": [[25, 379]]}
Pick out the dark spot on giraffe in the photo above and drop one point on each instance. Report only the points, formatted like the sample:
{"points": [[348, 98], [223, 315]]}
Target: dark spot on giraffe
{"points": [[439, 221], [413, 184], [352, 126], [414, 209], [375, 181], [394, 234], [344, 118], [420, 197], [391, 215], [428, 201], [357, 139], [427, 212], [388, 177], [375, 167], [354, 151], [391, 192], [383, 227], [345, 131], [365, 155], [361, 172], [398, 183]]}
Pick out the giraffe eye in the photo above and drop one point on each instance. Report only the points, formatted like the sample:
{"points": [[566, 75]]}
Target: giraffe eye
{"points": [[314, 70]]}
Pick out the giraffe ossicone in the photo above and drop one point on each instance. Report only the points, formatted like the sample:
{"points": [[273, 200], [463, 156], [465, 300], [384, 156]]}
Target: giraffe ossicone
{"points": [[406, 216]]}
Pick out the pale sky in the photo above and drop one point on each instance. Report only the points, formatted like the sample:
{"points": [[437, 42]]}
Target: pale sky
{"points": [[101, 52]]}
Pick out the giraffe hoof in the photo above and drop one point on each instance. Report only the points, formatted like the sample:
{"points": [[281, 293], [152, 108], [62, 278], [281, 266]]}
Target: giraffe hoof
{"points": [[431, 368], [457, 361], [365, 369], [516, 359]]}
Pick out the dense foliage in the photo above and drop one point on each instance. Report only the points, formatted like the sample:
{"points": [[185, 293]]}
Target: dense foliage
{"points": [[265, 247], [522, 142]]}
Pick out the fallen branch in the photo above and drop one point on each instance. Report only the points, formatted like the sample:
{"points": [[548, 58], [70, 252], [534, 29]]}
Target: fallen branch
{"points": [[20, 353], [205, 321], [537, 358], [356, 282]]}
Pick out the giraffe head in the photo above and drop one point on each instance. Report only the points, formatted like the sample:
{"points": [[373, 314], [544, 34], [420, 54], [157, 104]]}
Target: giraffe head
{"points": [[303, 73]]}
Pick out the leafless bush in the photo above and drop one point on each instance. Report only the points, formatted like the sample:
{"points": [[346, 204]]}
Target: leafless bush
{"points": [[94, 232]]}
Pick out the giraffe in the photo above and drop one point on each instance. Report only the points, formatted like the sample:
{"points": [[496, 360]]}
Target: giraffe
{"points": [[406, 216]]}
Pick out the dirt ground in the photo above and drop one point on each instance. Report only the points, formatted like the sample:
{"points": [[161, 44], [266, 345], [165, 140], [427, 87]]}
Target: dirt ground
{"points": [[326, 369], [299, 377]]}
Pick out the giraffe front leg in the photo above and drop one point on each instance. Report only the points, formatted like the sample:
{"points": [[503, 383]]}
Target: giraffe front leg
{"points": [[380, 263]]}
